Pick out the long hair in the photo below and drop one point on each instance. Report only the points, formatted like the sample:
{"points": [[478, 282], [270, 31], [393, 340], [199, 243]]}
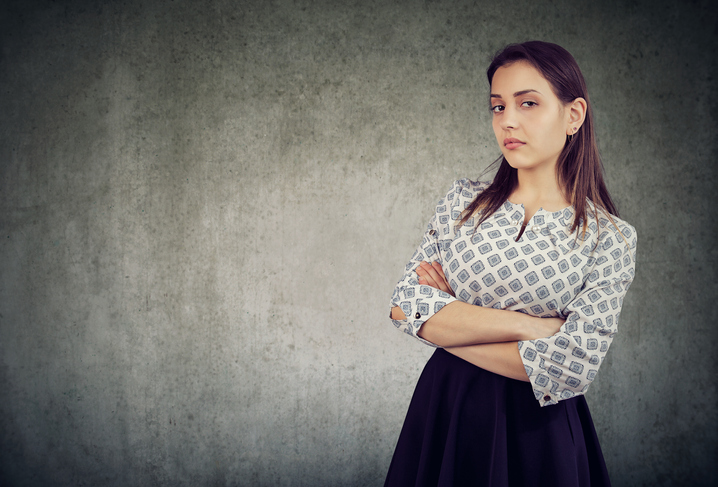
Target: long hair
{"points": [[579, 168]]}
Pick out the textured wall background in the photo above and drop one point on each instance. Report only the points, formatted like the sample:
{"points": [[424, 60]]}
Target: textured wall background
{"points": [[205, 207]]}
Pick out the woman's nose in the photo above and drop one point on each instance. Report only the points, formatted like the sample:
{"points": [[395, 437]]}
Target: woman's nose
{"points": [[508, 119]]}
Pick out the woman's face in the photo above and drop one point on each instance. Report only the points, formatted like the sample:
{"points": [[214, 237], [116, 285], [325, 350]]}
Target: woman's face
{"points": [[529, 121]]}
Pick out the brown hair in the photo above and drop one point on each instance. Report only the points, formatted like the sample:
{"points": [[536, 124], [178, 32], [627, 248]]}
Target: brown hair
{"points": [[579, 168]]}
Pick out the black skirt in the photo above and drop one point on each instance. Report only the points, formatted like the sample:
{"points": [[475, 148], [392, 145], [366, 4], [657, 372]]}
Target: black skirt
{"points": [[470, 427]]}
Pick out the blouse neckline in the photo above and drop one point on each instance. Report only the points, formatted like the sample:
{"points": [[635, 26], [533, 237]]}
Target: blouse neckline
{"points": [[563, 216], [508, 206]]}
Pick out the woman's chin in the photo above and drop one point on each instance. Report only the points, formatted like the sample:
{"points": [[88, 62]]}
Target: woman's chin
{"points": [[517, 164]]}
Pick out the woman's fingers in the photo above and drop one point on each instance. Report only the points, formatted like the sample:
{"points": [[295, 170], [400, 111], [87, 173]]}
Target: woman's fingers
{"points": [[433, 275], [426, 278], [428, 272], [440, 270]]}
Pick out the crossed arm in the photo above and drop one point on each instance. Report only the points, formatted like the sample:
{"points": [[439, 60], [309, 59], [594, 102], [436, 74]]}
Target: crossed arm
{"points": [[485, 337]]}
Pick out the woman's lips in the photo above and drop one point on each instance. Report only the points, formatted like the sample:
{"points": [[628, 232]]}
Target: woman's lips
{"points": [[512, 143]]}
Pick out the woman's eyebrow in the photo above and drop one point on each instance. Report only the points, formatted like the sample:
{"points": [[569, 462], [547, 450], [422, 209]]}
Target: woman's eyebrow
{"points": [[518, 93]]}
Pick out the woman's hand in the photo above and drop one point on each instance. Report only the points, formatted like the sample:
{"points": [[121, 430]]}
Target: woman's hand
{"points": [[433, 275], [537, 327]]}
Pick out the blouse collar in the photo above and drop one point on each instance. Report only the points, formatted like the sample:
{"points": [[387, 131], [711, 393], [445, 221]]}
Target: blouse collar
{"points": [[562, 217]]}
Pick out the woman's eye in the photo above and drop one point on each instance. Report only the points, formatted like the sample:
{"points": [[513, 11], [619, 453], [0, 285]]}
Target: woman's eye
{"points": [[529, 103], [497, 108]]}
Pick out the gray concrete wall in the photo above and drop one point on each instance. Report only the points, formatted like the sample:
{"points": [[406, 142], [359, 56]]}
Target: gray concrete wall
{"points": [[204, 207]]}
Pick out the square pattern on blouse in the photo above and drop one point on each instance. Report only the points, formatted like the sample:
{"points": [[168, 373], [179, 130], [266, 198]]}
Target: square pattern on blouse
{"points": [[548, 272]]}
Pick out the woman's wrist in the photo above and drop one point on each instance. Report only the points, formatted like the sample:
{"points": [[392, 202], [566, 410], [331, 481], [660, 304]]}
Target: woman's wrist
{"points": [[527, 327]]}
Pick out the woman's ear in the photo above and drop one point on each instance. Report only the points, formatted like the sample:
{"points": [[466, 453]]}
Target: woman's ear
{"points": [[576, 115]]}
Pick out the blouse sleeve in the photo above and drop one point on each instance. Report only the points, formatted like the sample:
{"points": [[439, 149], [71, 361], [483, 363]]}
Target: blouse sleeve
{"points": [[564, 365], [420, 302]]}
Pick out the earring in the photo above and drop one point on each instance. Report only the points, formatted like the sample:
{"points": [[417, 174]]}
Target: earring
{"points": [[570, 137]]}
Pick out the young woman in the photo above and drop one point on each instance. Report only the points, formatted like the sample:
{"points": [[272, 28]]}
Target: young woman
{"points": [[519, 282]]}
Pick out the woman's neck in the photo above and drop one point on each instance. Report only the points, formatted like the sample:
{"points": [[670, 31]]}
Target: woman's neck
{"points": [[538, 189]]}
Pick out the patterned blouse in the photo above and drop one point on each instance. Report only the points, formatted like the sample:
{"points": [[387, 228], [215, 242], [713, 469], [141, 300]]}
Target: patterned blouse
{"points": [[547, 272]]}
